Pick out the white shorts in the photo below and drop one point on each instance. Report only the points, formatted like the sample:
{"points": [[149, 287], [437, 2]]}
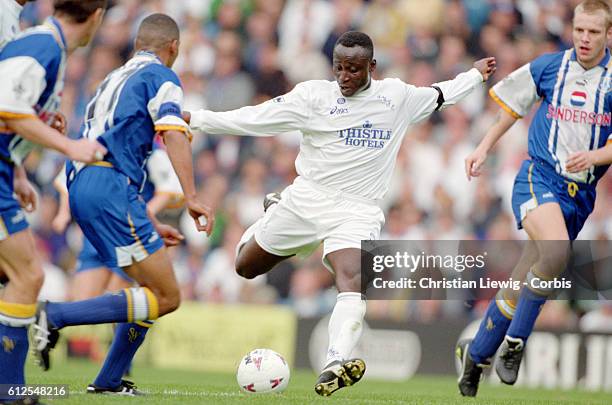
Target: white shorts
{"points": [[309, 214]]}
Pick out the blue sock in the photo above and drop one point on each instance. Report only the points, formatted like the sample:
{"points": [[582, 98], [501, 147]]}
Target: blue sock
{"points": [[13, 353], [127, 340], [492, 331], [527, 311], [128, 305]]}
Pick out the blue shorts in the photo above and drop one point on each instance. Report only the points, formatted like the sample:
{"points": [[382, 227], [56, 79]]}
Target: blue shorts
{"points": [[537, 183], [89, 259], [12, 217], [113, 216]]}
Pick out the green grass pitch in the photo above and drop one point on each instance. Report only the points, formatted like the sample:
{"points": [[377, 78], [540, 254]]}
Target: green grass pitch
{"points": [[191, 387]]}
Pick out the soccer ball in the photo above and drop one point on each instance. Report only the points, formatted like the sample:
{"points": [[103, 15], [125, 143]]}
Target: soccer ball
{"points": [[263, 370]]}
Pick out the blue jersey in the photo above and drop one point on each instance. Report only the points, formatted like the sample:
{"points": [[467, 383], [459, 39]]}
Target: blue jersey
{"points": [[32, 70], [575, 110], [129, 107]]}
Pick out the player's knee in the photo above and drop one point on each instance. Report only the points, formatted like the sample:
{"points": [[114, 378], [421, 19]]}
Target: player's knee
{"points": [[554, 259], [169, 301], [245, 269]]}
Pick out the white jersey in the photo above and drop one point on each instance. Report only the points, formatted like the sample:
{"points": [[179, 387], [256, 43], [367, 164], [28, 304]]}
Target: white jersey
{"points": [[349, 144], [9, 20]]}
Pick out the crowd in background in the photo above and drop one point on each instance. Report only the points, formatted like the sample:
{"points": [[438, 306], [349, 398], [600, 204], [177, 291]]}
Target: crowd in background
{"points": [[242, 52]]}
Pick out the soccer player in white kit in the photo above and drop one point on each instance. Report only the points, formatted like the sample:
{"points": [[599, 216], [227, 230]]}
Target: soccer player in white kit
{"points": [[352, 130]]}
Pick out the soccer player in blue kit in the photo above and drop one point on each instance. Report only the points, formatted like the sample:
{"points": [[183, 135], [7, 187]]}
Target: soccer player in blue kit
{"points": [[32, 68], [130, 106], [570, 149], [92, 278]]}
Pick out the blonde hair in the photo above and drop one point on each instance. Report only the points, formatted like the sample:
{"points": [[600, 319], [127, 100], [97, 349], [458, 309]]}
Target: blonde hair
{"points": [[592, 6]]}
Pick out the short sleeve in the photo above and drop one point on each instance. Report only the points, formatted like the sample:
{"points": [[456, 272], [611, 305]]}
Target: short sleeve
{"points": [[517, 92], [166, 105], [23, 82]]}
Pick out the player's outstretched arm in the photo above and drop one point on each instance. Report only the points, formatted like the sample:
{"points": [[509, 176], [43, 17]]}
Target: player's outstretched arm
{"points": [[280, 115], [474, 162], [423, 101], [452, 91], [179, 152], [33, 129], [580, 161]]}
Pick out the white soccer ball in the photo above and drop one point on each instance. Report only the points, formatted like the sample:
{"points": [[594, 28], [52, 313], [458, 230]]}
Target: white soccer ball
{"points": [[263, 370]]}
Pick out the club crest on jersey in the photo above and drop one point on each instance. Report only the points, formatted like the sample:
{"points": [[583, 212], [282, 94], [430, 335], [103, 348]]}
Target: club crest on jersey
{"points": [[605, 85], [578, 98], [386, 101]]}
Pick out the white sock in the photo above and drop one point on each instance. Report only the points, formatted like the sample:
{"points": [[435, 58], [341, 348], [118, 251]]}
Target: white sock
{"points": [[345, 326]]}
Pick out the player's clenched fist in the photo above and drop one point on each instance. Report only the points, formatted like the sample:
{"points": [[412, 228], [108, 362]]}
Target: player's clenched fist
{"points": [[170, 235], [474, 162], [579, 161], [486, 67], [59, 123], [85, 150]]}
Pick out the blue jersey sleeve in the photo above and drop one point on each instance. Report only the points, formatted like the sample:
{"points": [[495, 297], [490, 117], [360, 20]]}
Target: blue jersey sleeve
{"points": [[28, 67], [165, 104]]}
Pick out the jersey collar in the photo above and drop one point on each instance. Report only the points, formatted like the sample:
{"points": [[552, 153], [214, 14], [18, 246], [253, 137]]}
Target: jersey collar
{"points": [[58, 33], [365, 92], [603, 63], [148, 54]]}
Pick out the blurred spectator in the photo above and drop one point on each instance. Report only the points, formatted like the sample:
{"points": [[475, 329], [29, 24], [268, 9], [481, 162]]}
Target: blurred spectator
{"points": [[240, 52]]}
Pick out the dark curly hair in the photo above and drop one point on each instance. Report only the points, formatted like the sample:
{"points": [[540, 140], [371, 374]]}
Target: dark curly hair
{"points": [[357, 38]]}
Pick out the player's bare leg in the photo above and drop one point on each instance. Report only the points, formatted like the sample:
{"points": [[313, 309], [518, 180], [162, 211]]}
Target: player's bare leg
{"points": [[117, 283], [89, 283], [23, 269], [253, 261], [345, 324], [156, 273], [545, 226]]}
